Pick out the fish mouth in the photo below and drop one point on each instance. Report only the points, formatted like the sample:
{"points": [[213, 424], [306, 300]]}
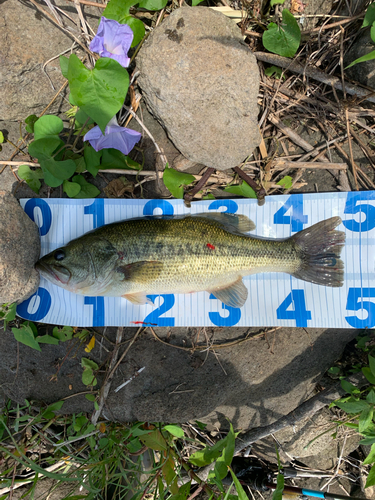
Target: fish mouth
{"points": [[61, 275]]}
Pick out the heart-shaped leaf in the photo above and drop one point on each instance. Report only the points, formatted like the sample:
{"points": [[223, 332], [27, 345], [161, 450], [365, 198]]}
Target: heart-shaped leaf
{"points": [[283, 40], [99, 92]]}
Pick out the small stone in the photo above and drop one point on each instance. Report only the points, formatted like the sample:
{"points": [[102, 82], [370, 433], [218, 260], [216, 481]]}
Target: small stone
{"points": [[19, 250], [201, 82]]}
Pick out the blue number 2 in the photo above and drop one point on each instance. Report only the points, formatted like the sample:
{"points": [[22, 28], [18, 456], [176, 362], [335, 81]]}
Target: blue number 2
{"points": [[154, 316], [295, 204], [300, 314], [355, 302]]}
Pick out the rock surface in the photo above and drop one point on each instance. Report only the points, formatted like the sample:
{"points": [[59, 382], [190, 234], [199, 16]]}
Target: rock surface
{"points": [[28, 39], [252, 383], [19, 250], [201, 82], [362, 72]]}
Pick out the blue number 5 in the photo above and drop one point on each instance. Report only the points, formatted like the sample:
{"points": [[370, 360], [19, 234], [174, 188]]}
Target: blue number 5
{"points": [[355, 302], [351, 207]]}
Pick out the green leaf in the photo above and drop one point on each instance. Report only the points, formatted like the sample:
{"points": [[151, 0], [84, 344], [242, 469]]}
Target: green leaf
{"points": [[30, 122], [194, 3], [31, 177], [353, 406], [154, 440], [44, 148], [47, 339], [80, 119], [286, 182], [274, 70], [64, 64], [372, 32], [283, 40], [208, 454], [367, 57], [88, 190], [9, 314], [371, 396], [63, 334], [274, 2], [369, 16], [118, 9], [347, 386], [174, 181], [54, 171], [371, 361], [138, 29], [371, 477], [242, 189], [365, 419], [334, 370], [88, 377], [367, 373], [113, 158], [222, 463], [153, 4], [1, 137], [49, 411], [48, 126], [278, 493], [90, 397], [370, 457], [71, 188], [92, 159], [175, 430], [59, 169], [25, 335], [241, 492], [89, 363], [80, 164], [100, 92]]}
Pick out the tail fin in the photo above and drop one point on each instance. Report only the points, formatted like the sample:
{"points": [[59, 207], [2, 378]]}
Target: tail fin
{"points": [[321, 246]]}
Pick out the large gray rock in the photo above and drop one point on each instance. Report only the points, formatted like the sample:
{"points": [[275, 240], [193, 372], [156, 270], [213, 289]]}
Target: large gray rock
{"points": [[252, 383], [19, 250], [201, 82]]}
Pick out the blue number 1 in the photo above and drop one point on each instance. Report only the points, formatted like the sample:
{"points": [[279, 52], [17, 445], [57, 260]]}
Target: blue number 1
{"points": [[300, 314], [295, 204], [96, 209]]}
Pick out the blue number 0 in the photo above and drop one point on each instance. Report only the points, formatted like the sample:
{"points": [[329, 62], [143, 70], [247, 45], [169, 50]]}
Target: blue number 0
{"points": [[232, 319], [43, 306], [46, 213], [300, 314], [355, 302], [351, 207], [165, 206], [297, 219], [154, 316]]}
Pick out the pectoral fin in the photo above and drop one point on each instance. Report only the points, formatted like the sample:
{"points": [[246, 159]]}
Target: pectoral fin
{"points": [[142, 271], [234, 295]]}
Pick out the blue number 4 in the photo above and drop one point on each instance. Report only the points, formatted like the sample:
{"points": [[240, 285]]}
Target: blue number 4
{"points": [[355, 302], [299, 314], [296, 218]]}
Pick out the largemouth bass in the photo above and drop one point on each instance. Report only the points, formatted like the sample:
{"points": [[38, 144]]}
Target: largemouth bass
{"points": [[184, 254]]}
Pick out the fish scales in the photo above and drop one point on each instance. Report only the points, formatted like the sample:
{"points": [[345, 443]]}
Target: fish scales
{"points": [[183, 254]]}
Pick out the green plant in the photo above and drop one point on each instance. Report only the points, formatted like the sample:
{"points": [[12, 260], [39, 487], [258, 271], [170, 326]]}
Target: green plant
{"points": [[369, 20], [283, 38], [360, 406]]}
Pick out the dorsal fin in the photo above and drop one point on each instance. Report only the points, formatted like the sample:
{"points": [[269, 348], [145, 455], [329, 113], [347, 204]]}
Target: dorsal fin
{"points": [[233, 223]]}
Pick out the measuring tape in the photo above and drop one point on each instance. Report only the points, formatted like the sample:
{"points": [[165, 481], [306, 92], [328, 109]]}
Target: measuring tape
{"points": [[274, 299]]}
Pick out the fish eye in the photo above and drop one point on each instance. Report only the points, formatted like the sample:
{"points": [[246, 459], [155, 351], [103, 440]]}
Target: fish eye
{"points": [[59, 255]]}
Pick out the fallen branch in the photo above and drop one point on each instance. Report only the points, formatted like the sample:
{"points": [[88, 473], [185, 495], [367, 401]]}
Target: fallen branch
{"points": [[283, 164], [314, 73]]}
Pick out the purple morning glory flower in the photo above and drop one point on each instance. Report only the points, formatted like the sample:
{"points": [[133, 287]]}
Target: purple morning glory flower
{"points": [[123, 139], [113, 40]]}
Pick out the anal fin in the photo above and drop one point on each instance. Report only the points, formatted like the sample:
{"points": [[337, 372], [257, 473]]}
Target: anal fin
{"points": [[138, 298], [234, 295]]}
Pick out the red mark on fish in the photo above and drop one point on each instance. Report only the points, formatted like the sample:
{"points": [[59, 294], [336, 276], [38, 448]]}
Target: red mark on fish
{"points": [[211, 247]]}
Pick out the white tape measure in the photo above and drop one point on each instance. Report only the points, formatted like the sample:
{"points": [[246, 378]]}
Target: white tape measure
{"points": [[274, 299]]}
